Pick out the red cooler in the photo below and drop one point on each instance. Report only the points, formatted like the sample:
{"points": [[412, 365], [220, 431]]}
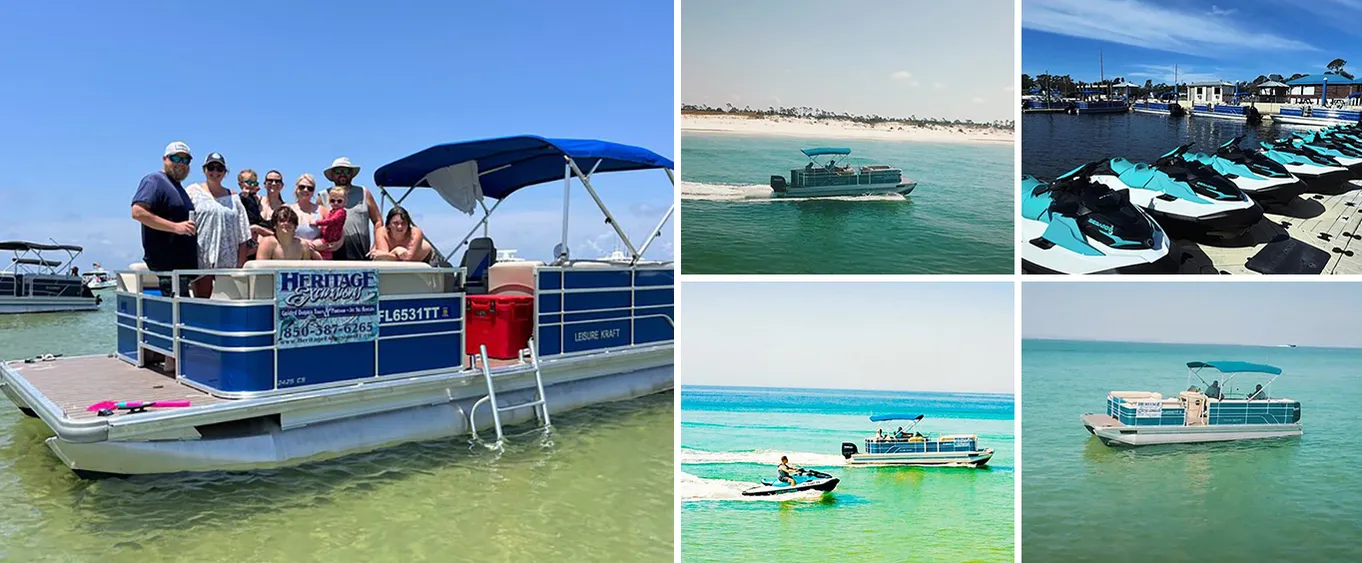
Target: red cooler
{"points": [[504, 323]]}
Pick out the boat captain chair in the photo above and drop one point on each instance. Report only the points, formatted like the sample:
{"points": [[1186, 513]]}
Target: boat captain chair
{"points": [[477, 261]]}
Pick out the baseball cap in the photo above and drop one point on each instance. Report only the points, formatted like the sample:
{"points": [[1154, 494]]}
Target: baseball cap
{"points": [[177, 147], [215, 157]]}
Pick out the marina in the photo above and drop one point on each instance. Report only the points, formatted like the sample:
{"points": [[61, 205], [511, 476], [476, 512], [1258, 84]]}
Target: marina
{"points": [[1216, 413], [292, 362], [1309, 232]]}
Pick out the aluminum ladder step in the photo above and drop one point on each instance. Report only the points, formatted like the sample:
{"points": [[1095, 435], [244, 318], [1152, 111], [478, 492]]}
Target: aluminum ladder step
{"points": [[540, 404]]}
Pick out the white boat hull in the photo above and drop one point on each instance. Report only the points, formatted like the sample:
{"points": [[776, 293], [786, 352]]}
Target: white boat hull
{"points": [[902, 188], [931, 459], [1155, 435], [1310, 121], [46, 304], [102, 285], [338, 422]]}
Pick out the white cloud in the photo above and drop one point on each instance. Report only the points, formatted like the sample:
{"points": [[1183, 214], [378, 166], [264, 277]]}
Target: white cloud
{"points": [[1167, 74], [1218, 11], [901, 75], [1128, 22]]}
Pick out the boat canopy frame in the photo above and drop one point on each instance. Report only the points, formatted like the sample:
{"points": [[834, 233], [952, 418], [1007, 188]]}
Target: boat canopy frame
{"points": [[524, 161], [838, 154], [915, 418], [30, 254], [1231, 369]]}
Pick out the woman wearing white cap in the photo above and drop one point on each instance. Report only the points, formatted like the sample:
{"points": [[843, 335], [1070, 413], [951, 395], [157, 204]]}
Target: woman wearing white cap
{"points": [[361, 212], [223, 228]]}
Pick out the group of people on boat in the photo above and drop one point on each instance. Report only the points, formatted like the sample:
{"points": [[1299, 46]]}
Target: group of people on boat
{"points": [[1213, 391], [899, 434], [207, 226]]}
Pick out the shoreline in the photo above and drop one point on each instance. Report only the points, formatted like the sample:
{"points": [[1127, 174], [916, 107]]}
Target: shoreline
{"points": [[841, 129]]}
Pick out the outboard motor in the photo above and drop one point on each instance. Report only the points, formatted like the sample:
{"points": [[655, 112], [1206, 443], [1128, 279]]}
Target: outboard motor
{"points": [[1253, 116], [778, 183], [849, 449], [1176, 110]]}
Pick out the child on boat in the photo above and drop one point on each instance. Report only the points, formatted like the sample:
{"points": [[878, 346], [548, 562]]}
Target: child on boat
{"points": [[333, 226]]}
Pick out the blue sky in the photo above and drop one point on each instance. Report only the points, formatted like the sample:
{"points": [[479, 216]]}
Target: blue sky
{"points": [[93, 91], [1207, 40], [908, 336], [886, 57], [1248, 313]]}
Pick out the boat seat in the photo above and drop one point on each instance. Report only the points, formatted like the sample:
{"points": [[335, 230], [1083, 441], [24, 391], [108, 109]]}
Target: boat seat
{"points": [[512, 278], [395, 278], [149, 280], [477, 261]]}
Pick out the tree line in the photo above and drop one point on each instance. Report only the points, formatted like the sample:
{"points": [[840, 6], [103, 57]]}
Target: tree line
{"points": [[818, 114], [1067, 86]]}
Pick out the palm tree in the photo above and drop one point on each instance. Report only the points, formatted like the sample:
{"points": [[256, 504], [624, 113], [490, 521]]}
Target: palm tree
{"points": [[1336, 66]]}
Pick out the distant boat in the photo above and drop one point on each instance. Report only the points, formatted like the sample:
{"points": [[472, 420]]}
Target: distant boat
{"points": [[836, 179], [32, 283]]}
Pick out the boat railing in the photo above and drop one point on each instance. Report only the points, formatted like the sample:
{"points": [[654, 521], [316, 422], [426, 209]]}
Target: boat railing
{"points": [[247, 338]]}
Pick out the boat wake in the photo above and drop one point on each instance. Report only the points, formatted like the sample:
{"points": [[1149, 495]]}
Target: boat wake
{"points": [[760, 457], [701, 489], [760, 193]]}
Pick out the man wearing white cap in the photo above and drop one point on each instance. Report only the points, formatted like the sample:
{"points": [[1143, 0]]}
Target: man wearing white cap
{"points": [[361, 212], [163, 208]]}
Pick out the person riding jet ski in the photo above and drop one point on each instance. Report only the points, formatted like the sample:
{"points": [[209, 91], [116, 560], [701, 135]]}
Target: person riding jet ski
{"points": [[793, 479]]}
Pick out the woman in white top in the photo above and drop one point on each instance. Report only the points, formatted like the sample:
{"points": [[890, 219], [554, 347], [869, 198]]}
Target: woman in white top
{"points": [[309, 210], [223, 228]]}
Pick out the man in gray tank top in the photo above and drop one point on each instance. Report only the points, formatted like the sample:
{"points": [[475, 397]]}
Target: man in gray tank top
{"points": [[361, 212]]}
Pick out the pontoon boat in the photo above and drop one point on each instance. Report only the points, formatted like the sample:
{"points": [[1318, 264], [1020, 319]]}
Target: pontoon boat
{"points": [[837, 179], [32, 283], [293, 361], [913, 448], [1140, 418]]}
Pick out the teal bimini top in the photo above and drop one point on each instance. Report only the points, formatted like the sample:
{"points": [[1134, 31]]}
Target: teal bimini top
{"points": [[820, 151], [883, 417], [1236, 367]]}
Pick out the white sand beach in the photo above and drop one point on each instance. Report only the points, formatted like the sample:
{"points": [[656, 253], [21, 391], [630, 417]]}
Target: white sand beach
{"points": [[840, 129]]}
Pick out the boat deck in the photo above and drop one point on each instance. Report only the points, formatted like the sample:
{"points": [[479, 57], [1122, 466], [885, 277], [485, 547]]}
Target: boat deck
{"points": [[1332, 223], [73, 384], [1100, 421]]}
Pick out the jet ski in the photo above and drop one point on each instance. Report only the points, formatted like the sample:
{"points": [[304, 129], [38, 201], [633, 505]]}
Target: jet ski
{"points": [[1186, 200], [1265, 180], [1076, 226], [1319, 172], [1340, 151], [805, 480]]}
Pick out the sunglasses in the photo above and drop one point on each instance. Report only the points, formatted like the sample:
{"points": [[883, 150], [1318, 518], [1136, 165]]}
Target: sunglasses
{"points": [[307, 188], [269, 181], [345, 171], [251, 183], [215, 168], [181, 159], [341, 201]]}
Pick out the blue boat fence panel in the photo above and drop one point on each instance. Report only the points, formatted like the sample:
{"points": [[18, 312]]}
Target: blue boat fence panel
{"points": [[583, 309]]}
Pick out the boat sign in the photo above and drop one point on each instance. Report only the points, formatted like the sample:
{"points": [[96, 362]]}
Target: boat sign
{"points": [[318, 307], [1148, 409]]}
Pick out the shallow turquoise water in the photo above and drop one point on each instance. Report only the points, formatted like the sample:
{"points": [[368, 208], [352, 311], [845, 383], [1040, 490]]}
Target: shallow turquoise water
{"points": [[733, 437], [958, 220], [598, 488], [1292, 499]]}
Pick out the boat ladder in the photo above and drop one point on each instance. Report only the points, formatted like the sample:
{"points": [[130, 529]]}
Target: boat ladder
{"points": [[541, 407]]}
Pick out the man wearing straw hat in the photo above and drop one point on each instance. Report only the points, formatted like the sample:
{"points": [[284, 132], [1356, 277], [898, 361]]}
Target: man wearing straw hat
{"points": [[361, 212]]}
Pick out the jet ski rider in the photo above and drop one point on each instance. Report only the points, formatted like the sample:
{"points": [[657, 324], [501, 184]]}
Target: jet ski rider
{"points": [[785, 469]]}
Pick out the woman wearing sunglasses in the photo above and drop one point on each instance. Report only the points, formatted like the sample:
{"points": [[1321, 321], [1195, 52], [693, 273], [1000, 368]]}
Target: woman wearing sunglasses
{"points": [[309, 210], [223, 229]]}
